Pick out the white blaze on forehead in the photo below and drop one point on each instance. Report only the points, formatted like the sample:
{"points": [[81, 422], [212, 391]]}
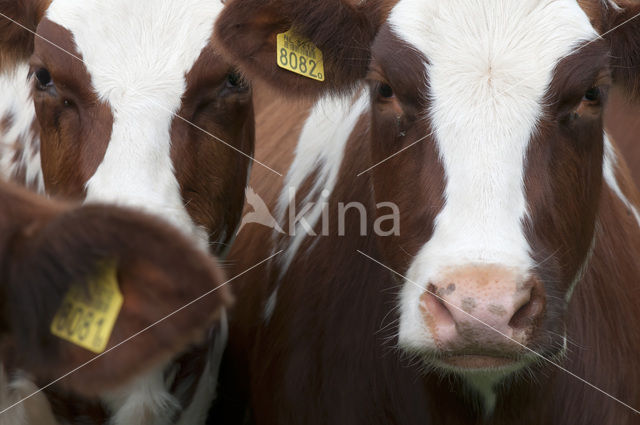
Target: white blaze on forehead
{"points": [[490, 65], [138, 54]]}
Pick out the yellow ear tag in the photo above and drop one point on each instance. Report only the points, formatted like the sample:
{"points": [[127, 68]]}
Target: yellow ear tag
{"points": [[87, 315], [298, 54]]}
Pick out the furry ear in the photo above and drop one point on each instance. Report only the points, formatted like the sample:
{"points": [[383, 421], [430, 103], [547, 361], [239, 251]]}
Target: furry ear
{"points": [[16, 40], [156, 270], [247, 29], [619, 22]]}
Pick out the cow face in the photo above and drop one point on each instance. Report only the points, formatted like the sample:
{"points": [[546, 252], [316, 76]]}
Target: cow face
{"points": [[510, 170], [136, 107], [498, 106]]}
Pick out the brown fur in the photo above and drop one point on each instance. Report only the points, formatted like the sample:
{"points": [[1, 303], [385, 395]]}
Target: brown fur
{"points": [[46, 247], [16, 44], [67, 163], [623, 109], [621, 31], [213, 176], [278, 138], [342, 30], [625, 48], [622, 121]]}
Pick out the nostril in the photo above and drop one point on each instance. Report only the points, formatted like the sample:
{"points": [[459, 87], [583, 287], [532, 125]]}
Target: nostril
{"points": [[434, 309], [531, 311]]}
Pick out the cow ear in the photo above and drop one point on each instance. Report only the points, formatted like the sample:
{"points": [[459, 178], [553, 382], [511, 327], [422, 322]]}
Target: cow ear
{"points": [[619, 23], [343, 30], [63, 280], [18, 22]]}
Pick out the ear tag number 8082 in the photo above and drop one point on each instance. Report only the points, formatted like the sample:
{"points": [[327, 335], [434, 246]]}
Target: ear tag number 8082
{"points": [[299, 55]]}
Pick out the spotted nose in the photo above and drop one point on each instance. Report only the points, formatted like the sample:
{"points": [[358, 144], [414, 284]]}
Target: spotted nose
{"points": [[482, 307]]}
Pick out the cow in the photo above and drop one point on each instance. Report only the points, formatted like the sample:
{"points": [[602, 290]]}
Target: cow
{"points": [[503, 288], [45, 248], [131, 103]]}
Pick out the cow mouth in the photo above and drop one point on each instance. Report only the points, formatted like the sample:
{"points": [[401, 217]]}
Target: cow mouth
{"points": [[477, 361]]}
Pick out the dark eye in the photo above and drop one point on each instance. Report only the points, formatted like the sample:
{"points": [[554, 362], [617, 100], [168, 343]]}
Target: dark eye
{"points": [[593, 95], [43, 79], [235, 80], [385, 91]]}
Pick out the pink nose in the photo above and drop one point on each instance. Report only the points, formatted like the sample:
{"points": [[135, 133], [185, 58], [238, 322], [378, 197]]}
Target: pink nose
{"points": [[482, 306]]}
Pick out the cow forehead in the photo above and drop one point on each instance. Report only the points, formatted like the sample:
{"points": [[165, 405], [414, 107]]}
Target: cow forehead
{"points": [[136, 49], [489, 66], [138, 55], [490, 46]]}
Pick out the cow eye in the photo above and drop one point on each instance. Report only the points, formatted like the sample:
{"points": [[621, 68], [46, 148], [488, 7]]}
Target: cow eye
{"points": [[593, 95], [43, 79], [235, 80], [385, 91]]}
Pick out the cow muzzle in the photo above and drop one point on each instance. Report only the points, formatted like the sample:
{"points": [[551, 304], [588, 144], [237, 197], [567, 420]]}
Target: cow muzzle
{"points": [[482, 316]]}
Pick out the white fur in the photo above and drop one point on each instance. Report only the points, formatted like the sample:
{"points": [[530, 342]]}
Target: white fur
{"points": [[197, 411], [321, 149], [16, 101], [144, 401], [34, 410], [490, 64], [612, 4], [483, 385], [584, 267], [609, 173], [270, 306], [138, 53]]}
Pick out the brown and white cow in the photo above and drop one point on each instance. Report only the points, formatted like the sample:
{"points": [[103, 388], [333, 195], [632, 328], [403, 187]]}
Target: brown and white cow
{"points": [[131, 103], [519, 234], [45, 247]]}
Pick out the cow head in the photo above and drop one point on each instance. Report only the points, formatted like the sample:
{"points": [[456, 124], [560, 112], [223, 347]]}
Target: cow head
{"points": [[500, 194], [47, 247], [136, 106]]}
